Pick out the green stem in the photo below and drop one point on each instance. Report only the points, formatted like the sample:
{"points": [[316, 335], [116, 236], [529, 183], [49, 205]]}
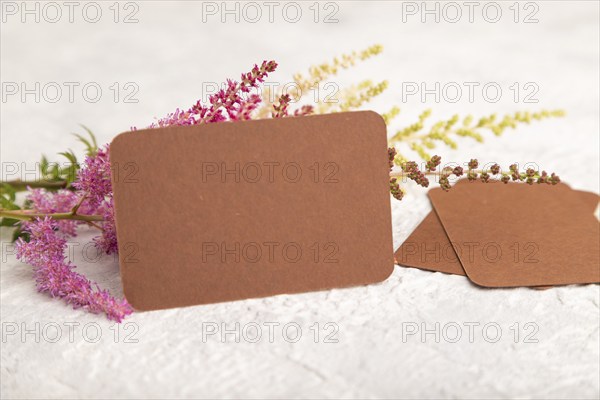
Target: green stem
{"points": [[20, 185], [25, 215]]}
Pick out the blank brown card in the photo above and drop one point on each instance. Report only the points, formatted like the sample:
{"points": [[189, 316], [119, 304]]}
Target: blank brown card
{"points": [[520, 235], [230, 211]]}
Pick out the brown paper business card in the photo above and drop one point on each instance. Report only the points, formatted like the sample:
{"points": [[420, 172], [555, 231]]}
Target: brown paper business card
{"points": [[230, 211], [429, 248], [520, 235]]}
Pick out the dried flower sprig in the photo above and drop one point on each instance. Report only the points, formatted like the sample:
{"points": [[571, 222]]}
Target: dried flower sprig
{"points": [[410, 170], [353, 97], [447, 131], [412, 138], [317, 74], [395, 190], [391, 114]]}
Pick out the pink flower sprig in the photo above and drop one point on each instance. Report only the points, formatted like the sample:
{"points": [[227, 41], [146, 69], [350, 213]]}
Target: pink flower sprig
{"points": [[233, 103], [47, 237], [56, 276], [107, 241], [93, 179], [94, 185], [61, 201]]}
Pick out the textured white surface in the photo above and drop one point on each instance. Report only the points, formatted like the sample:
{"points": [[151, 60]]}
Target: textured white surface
{"points": [[169, 53]]}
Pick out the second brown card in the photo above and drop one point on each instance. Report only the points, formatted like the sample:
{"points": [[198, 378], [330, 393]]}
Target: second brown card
{"points": [[517, 235], [429, 248]]}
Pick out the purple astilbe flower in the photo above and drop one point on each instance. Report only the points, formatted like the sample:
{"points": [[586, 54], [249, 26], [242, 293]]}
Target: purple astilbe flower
{"points": [[55, 275], [231, 103], [61, 201], [245, 109], [58, 202], [93, 179], [107, 242], [179, 117]]}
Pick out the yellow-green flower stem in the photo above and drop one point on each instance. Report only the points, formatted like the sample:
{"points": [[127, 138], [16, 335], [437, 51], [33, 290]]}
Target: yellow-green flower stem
{"points": [[446, 131], [27, 215], [21, 186]]}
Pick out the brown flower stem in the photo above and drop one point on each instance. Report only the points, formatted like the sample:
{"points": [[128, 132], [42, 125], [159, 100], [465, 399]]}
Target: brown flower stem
{"points": [[402, 174], [90, 223], [27, 215]]}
